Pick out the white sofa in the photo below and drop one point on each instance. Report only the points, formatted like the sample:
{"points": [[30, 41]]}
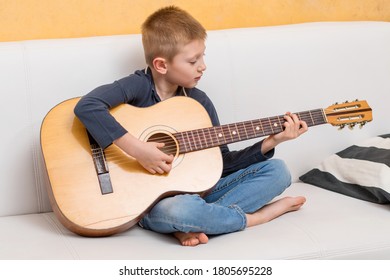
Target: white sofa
{"points": [[252, 73]]}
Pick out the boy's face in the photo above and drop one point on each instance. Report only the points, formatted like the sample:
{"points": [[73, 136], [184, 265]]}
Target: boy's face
{"points": [[187, 67]]}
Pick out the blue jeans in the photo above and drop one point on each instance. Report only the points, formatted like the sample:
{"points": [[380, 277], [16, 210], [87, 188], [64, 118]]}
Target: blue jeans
{"points": [[223, 210]]}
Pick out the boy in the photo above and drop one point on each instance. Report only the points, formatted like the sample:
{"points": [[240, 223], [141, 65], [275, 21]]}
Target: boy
{"points": [[174, 46]]}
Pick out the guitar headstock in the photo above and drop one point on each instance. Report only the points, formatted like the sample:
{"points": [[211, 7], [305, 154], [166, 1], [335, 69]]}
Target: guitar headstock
{"points": [[349, 113]]}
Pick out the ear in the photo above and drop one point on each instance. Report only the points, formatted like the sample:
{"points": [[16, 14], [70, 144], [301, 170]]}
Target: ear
{"points": [[160, 65]]}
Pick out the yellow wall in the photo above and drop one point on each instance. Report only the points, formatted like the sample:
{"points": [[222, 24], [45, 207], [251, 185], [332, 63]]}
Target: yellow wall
{"points": [[36, 19]]}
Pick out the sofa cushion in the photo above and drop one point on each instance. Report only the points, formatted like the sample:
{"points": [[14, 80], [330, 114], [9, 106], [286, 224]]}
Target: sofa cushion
{"points": [[361, 171]]}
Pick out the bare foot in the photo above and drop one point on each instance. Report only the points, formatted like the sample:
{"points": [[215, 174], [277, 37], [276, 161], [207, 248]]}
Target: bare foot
{"points": [[274, 210], [191, 238], [263, 215]]}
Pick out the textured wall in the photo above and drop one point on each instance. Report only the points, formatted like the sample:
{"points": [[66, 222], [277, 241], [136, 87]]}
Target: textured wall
{"points": [[35, 19]]}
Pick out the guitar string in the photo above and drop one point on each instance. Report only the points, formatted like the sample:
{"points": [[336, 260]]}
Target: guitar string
{"points": [[241, 127], [315, 115]]}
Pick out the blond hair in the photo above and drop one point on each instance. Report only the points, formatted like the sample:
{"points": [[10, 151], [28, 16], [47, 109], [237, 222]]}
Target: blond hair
{"points": [[168, 29]]}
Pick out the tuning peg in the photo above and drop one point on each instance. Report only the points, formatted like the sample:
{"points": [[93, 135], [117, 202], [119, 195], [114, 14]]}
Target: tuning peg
{"points": [[351, 125], [362, 124], [341, 126]]}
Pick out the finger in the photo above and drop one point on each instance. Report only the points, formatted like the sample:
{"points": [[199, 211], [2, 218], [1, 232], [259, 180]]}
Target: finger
{"points": [[288, 120], [167, 158], [292, 121], [151, 170], [288, 117], [295, 119], [166, 167], [303, 126], [299, 125], [159, 170], [164, 156], [292, 118], [159, 144]]}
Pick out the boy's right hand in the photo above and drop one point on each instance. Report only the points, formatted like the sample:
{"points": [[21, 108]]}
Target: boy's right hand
{"points": [[153, 159], [148, 154]]}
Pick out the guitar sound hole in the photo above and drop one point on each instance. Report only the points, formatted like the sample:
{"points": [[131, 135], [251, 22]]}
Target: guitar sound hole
{"points": [[170, 147]]}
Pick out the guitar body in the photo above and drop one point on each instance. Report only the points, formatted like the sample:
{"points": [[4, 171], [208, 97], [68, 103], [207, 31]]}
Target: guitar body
{"points": [[75, 193]]}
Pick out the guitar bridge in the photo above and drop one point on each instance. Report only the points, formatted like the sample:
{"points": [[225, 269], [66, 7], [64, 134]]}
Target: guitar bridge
{"points": [[101, 166]]}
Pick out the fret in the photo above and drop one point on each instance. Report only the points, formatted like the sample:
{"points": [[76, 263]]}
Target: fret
{"points": [[307, 117], [213, 133], [227, 133], [255, 128], [311, 118], [200, 141], [244, 125], [273, 124], [320, 117], [211, 137], [219, 135], [222, 135], [323, 116], [238, 132], [259, 128], [281, 120], [232, 132], [301, 116], [192, 137], [204, 137], [267, 126], [189, 142], [182, 143]]}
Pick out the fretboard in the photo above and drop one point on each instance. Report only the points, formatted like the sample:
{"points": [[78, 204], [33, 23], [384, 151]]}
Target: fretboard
{"points": [[204, 138]]}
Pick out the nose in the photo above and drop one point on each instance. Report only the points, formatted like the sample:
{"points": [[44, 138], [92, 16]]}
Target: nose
{"points": [[202, 67]]}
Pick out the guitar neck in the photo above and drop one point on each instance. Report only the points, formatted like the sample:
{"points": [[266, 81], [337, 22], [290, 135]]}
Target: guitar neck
{"points": [[204, 138]]}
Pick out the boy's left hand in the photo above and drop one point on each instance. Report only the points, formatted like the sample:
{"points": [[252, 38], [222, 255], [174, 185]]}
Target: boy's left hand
{"points": [[293, 128]]}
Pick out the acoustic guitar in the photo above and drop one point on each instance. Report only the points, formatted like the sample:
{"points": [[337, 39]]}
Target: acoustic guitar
{"points": [[96, 192]]}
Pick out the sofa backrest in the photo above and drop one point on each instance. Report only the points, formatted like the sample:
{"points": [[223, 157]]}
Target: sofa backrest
{"points": [[252, 73]]}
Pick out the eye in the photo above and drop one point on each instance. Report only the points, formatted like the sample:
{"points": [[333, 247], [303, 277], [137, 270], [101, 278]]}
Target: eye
{"points": [[193, 62]]}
